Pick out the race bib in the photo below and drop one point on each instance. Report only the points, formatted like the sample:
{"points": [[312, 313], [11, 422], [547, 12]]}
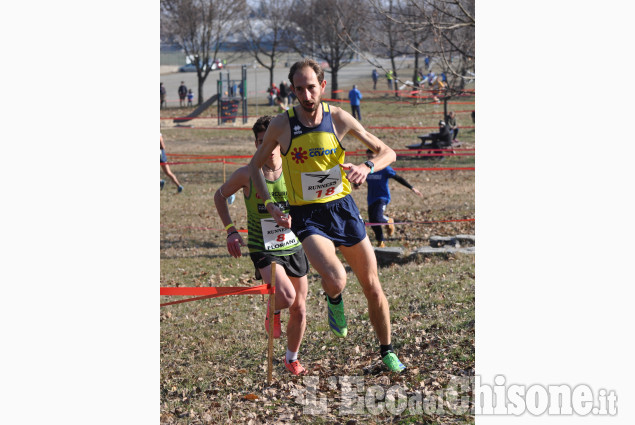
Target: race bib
{"points": [[320, 184], [276, 237]]}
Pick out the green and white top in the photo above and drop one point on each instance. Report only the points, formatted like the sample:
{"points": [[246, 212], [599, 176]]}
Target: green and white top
{"points": [[264, 234]]}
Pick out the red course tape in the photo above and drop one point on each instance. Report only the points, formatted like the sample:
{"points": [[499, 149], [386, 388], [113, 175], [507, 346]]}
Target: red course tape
{"points": [[213, 292]]}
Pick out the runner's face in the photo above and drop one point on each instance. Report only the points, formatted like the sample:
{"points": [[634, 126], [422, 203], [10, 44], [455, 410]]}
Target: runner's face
{"points": [[307, 89], [260, 138]]}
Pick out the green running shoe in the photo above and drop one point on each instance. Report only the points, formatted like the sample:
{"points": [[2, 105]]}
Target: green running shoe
{"points": [[393, 363], [337, 319]]}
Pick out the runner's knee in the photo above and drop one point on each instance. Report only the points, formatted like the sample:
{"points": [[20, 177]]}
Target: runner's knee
{"points": [[298, 311], [334, 281], [285, 296], [372, 290]]}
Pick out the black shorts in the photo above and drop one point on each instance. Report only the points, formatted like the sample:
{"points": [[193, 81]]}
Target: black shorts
{"points": [[295, 265]]}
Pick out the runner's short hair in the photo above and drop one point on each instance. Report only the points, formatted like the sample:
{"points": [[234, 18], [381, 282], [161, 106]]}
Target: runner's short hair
{"points": [[261, 124], [319, 72]]}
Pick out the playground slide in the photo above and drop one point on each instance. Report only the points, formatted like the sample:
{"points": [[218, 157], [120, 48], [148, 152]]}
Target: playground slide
{"points": [[198, 110]]}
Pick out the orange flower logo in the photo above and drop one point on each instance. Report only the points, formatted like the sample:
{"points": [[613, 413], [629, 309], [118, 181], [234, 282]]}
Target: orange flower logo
{"points": [[299, 155]]}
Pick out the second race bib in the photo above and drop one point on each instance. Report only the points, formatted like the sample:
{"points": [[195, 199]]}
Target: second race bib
{"points": [[276, 237]]}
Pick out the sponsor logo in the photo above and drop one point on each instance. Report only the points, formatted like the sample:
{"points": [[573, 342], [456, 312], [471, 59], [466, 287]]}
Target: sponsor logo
{"points": [[322, 183], [321, 177], [321, 151], [274, 194], [299, 155], [277, 229], [284, 206], [297, 130]]}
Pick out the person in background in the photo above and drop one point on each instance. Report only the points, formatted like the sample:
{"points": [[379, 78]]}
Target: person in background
{"points": [[284, 96], [163, 94], [419, 78], [291, 97], [182, 94], [375, 76], [442, 139], [166, 168], [269, 243], [190, 97], [378, 198], [438, 88], [273, 94], [354, 96], [432, 77], [450, 120]]}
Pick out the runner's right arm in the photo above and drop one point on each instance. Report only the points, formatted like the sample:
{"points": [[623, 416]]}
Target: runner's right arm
{"points": [[238, 180]]}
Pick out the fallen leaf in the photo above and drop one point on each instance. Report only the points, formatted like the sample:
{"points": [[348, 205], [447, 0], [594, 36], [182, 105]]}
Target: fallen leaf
{"points": [[251, 396]]}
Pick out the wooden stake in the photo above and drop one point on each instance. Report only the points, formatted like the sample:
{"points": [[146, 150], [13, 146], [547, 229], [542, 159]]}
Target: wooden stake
{"points": [[272, 309]]}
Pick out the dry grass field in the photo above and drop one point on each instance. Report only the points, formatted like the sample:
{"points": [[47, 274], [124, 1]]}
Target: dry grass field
{"points": [[213, 352]]}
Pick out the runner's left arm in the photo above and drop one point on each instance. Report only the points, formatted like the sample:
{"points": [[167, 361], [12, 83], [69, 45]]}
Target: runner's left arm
{"points": [[344, 124]]}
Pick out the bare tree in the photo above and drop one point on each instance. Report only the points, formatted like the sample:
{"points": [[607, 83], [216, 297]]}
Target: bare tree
{"points": [[266, 32], [453, 23], [414, 35], [412, 22], [201, 27], [321, 30], [387, 35]]}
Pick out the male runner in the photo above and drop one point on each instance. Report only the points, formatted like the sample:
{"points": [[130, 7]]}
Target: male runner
{"points": [[322, 214], [268, 242]]}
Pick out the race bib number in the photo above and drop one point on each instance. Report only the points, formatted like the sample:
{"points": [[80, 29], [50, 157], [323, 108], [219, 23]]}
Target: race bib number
{"points": [[320, 184], [276, 237]]}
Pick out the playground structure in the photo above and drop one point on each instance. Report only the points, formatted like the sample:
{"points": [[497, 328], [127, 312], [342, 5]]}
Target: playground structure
{"points": [[230, 94]]}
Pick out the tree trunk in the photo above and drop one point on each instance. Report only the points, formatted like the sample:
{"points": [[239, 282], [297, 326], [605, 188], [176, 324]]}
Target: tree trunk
{"points": [[416, 71], [394, 75], [334, 83], [201, 81], [270, 78]]}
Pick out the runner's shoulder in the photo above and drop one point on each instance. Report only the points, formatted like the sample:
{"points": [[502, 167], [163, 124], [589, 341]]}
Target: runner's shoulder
{"points": [[240, 176]]}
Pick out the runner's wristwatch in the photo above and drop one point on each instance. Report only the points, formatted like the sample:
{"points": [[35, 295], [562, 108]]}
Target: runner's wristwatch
{"points": [[370, 165]]}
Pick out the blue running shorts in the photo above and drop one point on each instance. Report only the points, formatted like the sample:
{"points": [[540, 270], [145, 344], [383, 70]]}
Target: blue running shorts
{"points": [[338, 220]]}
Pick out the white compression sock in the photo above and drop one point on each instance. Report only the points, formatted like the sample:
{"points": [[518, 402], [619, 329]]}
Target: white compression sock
{"points": [[291, 356]]}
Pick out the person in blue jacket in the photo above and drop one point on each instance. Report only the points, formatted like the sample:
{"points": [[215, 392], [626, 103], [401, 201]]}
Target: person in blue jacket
{"points": [[378, 198], [355, 96]]}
